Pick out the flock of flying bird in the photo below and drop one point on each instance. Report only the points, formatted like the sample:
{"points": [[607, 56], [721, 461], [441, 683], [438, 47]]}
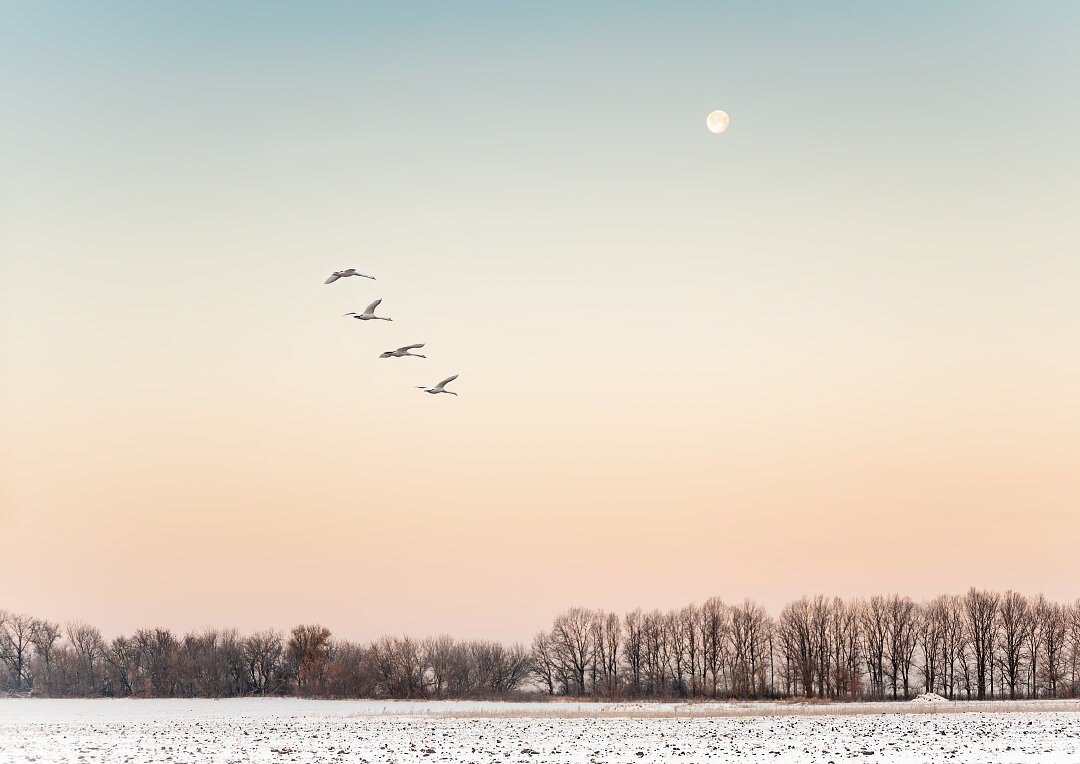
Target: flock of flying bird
{"points": [[369, 315]]}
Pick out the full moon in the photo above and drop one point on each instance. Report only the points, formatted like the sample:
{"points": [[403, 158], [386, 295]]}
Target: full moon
{"points": [[718, 121]]}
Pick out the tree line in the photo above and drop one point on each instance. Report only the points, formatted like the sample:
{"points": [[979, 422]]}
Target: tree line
{"points": [[979, 645]]}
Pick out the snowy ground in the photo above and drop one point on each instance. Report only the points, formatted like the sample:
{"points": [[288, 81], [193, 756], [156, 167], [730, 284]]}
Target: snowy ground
{"points": [[284, 730]]}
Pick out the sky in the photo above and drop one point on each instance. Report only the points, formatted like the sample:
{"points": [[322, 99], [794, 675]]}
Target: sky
{"points": [[831, 350]]}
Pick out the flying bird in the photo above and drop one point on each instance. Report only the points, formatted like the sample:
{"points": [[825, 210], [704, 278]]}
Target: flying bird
{"points": [[402, 352], [347, 272], [439, 388], [369, 313]]}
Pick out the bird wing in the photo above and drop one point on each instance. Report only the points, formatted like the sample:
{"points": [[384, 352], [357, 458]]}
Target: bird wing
{"points": [[445, 381], [333, 277], [371, 308], [412, 347]]}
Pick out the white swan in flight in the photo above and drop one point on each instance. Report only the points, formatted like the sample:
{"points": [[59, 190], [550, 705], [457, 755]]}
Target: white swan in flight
{"points": [[369, 313], [439, 388], [347, 272], [402, 352]]}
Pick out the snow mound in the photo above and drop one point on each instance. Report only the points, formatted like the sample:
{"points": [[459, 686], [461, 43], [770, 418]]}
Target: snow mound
{"points": [[929, 697]]}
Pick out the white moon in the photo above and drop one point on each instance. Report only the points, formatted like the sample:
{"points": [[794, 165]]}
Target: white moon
{"points": [[718, 121]]}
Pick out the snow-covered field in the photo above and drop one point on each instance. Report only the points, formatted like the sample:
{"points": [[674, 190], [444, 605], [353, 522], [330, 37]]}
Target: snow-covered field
{"points": [[286, 730]]}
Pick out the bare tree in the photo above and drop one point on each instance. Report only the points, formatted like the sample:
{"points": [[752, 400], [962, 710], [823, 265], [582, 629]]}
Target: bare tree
{"points": [[751, 632], [64, 671], [1015, 626], [980, 607], [545, 666], [874, 627], [682, 641], [715, 634], [89, 652], [844, 647], [210, 664], [44, 638], [572, 636], [308, 651], [498, 669], [821, 617], [262, 653], [1071, 653], [797, 642], [399, 665], [443, 655], [901, 621], [931, 632], [607, 639], [349, 673], [1054, 635], [157, 659], [124, 663], [657, 654], [16, 639], [742, 670], [954, 643], [1036, 636], [633, 651]]}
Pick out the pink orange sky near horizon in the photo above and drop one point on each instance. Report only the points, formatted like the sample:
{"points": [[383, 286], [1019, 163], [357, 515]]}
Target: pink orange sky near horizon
{"points": [[832, 350]]}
